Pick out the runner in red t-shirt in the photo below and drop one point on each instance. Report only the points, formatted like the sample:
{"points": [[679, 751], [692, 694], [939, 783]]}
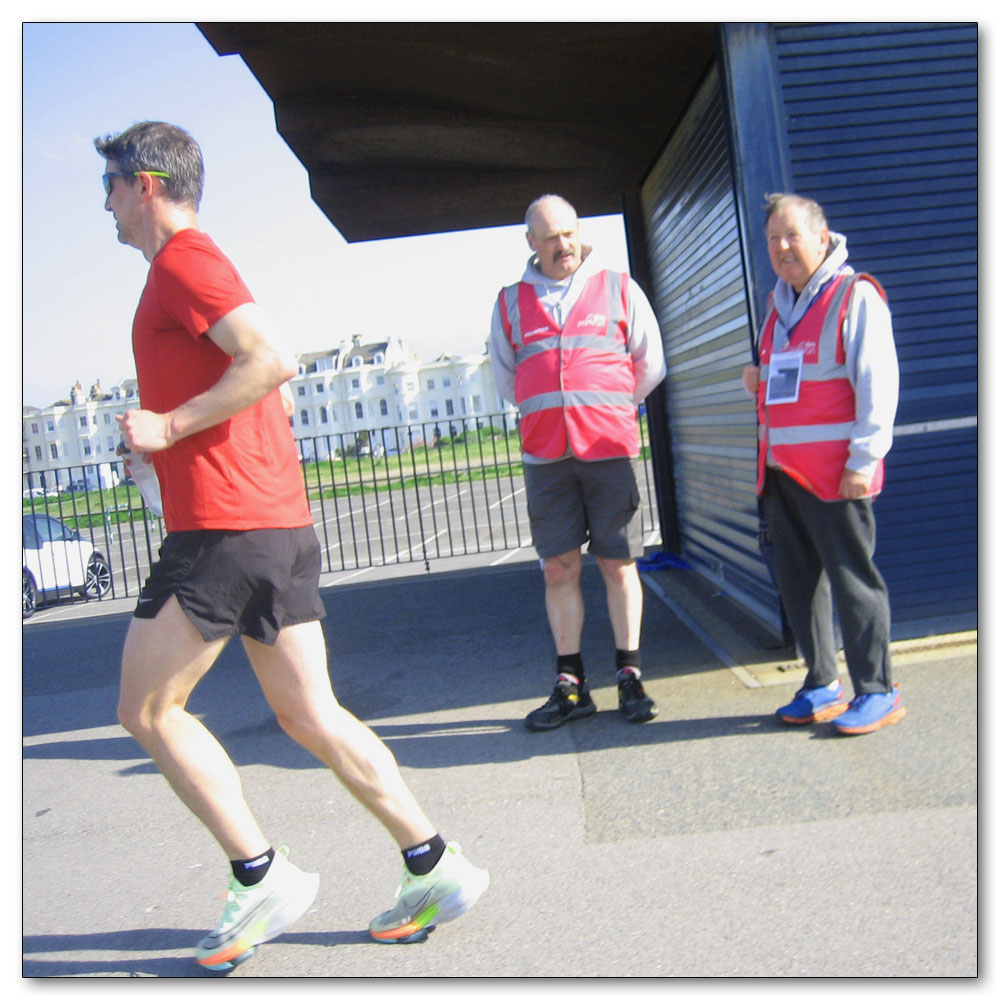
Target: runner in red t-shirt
{"points": [[243, 472], [240, 557]]}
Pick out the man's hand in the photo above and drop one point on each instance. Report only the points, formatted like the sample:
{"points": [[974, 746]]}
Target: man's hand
{"points": [[751, 379], [144, 430], [853, 485]]}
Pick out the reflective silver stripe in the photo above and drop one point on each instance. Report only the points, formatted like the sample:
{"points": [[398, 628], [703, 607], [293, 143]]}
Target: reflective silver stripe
{"points": [[930, 426], [591, 343], [828, 338], [810, 433], [543, 401], [595, 344], [559, 400], [616, 311], [537, 347], [588, 397], [812, 373], [513, 314], [825, 371]]}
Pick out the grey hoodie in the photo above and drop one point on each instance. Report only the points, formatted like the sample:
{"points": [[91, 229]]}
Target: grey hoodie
{"points": [[872, 368]]}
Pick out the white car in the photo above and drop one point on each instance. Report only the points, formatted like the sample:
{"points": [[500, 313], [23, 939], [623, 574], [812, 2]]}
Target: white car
{"points": [[57, 562]]}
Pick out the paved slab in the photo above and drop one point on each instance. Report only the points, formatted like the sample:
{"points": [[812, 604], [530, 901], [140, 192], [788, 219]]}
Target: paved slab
{"points": [[709, 842]]}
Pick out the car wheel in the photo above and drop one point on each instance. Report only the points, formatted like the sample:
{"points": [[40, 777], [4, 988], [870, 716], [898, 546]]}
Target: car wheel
{"points": [[29, 595], [98, 577]]}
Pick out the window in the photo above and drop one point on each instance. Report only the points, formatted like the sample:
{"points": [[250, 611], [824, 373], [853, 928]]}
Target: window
{"points": [[86, 447], [434, 408], [111, 442], [323, 418], [412, 414], [430, 383], [304, 417], [320, 388], [477, 404], [107, 418], [446, 381], [359, 411], [38, 452], [83, 421], [54, 450], [379, 358], [357, 361], [302, 390], [355, 383], [383, 407], [449, 407], [380, 380], [51, 425], [34, 428]]}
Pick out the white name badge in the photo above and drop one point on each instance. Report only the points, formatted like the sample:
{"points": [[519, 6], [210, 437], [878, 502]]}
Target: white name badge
{"points": [[785, 374]]}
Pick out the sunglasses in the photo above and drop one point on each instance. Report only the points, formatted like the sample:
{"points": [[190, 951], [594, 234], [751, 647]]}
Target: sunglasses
{"points": [[106, 178]]}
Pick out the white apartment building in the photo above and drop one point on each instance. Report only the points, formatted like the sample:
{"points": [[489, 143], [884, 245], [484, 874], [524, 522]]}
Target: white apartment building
{"points": [[382, 397], [74, 439], [353, 397]]}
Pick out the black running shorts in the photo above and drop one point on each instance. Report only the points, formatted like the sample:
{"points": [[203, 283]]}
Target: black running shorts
{"points": [[251, 583], [571, 502]]}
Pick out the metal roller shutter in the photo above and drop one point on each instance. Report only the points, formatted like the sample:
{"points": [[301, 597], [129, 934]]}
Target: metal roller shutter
{"points": [[699, 293]]}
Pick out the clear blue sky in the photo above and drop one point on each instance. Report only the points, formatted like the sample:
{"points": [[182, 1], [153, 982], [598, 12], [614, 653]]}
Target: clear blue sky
{"points": [[81, 286]]}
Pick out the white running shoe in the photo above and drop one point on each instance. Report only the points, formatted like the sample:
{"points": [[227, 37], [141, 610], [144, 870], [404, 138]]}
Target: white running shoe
{"points": [[256, 913], [448, 890]]}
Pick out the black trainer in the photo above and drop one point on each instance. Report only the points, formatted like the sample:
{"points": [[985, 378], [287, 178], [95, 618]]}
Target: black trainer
{"points": [[568, 701], [633, 702]]}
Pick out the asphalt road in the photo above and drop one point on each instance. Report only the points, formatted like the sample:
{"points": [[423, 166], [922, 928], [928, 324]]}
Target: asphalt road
{"points": [[710, 842]]}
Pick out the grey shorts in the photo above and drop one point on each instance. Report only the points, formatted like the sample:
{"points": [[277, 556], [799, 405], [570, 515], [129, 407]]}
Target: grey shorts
{"points": [[251, 583], [572, 502]]}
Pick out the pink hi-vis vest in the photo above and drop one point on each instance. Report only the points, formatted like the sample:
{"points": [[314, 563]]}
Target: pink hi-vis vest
{"points": [[809, 439], [574, 386]]}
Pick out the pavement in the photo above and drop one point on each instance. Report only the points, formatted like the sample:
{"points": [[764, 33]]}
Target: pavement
{"points": [[710, 842]]}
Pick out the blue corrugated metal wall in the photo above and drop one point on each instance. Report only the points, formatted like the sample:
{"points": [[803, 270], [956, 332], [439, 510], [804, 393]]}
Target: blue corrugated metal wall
{"points": [[881, 125]]}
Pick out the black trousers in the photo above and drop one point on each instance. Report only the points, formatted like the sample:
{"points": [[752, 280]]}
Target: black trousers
{"points": [[823, 554]]}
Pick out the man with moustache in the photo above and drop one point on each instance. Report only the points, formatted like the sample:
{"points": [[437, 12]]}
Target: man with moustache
{"points": [[577, 348]]}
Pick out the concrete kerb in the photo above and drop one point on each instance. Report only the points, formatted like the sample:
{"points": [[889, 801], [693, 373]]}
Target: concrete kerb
{"points": [[755, 657]]}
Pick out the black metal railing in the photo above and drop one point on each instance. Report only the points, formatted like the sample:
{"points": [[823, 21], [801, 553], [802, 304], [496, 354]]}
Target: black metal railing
{"points": [[379, 496]]}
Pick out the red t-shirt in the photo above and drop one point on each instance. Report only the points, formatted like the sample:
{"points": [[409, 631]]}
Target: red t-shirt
{"points": [[243, 473]]}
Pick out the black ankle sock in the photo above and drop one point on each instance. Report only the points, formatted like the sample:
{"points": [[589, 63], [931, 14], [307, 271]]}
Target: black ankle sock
{"points": [[252, 870], [421, 858], [628, 658], [571, 663]]}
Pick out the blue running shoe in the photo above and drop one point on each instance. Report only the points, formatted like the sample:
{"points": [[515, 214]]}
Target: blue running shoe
{"points": [[814, 704], [868, 712]]}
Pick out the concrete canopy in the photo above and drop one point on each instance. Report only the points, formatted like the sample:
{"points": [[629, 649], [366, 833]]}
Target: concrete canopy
{"points": [[408, 129]]}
